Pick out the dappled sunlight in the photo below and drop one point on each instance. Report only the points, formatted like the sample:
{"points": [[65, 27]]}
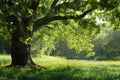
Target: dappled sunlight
{"points": [[50, 61], [62, 69], [84, 33], [5, 60]]}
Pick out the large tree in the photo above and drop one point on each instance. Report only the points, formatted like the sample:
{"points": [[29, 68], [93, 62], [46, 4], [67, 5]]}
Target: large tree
{"points": [[23, 17]]}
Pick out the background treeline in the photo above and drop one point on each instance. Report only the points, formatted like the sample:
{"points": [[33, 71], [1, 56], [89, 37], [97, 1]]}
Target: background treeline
{"points": [[106, 46], [4, 40]]}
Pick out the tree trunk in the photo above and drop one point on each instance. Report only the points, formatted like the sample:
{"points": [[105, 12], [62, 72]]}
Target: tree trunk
{"points": [[20, 52]]}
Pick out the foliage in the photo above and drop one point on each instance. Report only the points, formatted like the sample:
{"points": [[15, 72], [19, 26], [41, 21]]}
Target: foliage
{"points": [[34, 14], [63, 50], [74, 35], [63, 70], [100, 58], [4, 40], [116, 58], [42, 42], [106, 46], [107, 43]]}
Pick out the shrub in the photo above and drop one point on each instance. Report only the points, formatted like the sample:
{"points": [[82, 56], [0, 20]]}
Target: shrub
{"points": [[100, 58]]}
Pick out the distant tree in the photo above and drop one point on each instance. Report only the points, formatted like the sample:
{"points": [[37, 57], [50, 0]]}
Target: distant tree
{"points": [[107, 43], [4, 41], [23, 17]]}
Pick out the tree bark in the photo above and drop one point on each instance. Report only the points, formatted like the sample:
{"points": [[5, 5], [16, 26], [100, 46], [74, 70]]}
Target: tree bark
{"points": [[20, 52]]}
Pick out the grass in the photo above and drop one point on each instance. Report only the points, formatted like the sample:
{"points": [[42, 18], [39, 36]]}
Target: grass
{"points": [[61, 69]]}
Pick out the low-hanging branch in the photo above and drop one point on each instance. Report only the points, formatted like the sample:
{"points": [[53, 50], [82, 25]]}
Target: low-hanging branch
{"points": [[45, 20]]}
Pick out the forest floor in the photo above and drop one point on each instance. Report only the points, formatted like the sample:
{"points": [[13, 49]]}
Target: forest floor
{"points": [[61, 69]]}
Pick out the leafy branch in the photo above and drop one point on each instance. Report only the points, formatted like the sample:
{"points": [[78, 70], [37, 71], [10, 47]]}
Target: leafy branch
{"points": [[45, 20]]}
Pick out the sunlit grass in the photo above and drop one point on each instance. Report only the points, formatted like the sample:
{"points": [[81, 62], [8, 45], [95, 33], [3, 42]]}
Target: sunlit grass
{"points": [[50, 62], [62, 69], [4, 60]]}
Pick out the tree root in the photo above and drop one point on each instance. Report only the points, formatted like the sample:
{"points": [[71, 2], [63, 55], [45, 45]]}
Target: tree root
{"points": [[30, 63], [33, 65], [37, 66]]}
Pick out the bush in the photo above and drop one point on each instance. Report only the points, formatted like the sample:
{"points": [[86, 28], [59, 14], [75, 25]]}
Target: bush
{"points": [[4, 45], [117, 58], [106, 44], [100, 58]]}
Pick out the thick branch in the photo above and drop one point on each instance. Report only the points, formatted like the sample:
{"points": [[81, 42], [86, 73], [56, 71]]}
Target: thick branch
{"points": [[54, 4], [34, 5], [46, 20]]}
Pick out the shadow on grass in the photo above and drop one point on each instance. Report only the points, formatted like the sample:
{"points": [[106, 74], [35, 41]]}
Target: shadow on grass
{"points": [[59, 73]]}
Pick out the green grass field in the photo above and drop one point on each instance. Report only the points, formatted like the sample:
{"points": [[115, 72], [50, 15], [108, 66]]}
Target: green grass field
{"points": [[61, 69]]}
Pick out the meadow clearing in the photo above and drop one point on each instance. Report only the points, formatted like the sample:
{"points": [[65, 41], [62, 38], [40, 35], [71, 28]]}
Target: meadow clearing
{"points": [[61, 69]]}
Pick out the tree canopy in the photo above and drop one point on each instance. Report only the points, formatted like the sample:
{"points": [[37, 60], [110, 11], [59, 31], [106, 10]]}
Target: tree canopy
{"points": [[41, 12]]}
